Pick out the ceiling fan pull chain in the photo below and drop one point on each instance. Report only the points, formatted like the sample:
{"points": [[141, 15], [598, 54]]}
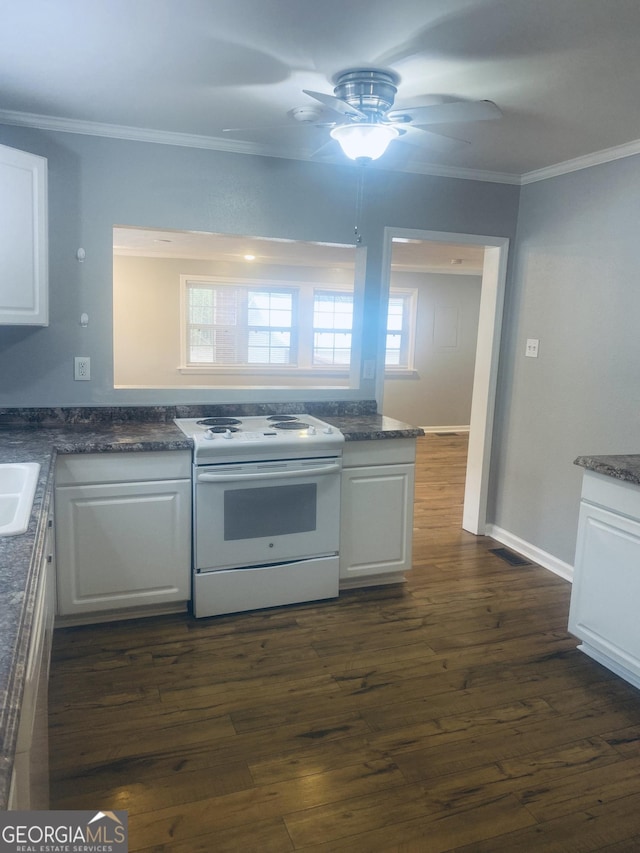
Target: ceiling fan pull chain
{"points": [[359, 201]]}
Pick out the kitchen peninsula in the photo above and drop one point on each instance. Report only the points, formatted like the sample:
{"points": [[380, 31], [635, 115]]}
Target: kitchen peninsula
{"points": [[606, 583], [42, 435]]}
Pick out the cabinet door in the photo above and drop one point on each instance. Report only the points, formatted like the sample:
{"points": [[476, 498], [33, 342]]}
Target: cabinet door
{"points": [[377, 520], [606, 587], [122, 545], [23, 239]]}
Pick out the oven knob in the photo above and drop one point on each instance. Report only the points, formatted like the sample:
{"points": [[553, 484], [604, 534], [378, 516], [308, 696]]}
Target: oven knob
{"points": [[311, 430], [209, 435], [227, 434], [328, 430]]}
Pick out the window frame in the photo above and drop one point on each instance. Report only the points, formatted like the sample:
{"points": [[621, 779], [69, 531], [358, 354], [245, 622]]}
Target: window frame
{"points": [[410, 297], [303, 322]]}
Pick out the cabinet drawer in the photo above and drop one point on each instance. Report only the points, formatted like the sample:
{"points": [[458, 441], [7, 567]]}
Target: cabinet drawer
{"points": [[87, 468], [379, 452]]}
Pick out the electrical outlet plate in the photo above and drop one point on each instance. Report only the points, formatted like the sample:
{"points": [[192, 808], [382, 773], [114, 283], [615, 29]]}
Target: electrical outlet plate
{"points": [[82, 368]]}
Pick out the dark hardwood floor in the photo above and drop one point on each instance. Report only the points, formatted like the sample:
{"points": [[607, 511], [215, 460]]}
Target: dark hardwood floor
{"points": [[451, 713]]}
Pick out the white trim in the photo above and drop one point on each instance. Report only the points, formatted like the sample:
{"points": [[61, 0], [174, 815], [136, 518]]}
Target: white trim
{"points": [[235, 146], [289, 370], [214, 143], [607, 155], [486, 364], [429, 429], [532, 552], [401, 373]]}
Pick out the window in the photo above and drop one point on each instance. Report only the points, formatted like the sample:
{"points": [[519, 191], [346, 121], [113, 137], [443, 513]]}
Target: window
{"points": [[229, 324], [332, 327], [233, 324], [401, 317]]}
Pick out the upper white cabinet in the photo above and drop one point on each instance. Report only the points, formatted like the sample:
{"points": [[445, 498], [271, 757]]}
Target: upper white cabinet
{"points": [[24, 278]]}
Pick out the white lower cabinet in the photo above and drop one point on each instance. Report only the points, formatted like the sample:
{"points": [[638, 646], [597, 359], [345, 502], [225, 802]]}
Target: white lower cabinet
{"points": [[376, 530], [30, 777], [123, 530], [606, 582]]}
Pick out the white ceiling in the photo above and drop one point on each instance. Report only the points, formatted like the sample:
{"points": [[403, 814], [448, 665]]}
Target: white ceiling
{"points": [[566, 73], [406, 255]]}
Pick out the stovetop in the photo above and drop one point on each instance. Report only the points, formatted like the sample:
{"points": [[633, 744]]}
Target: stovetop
{"points": [[272, 436]]}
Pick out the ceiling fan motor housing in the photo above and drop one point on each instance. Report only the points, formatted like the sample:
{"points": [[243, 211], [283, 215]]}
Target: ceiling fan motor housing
{"points": [[368, 90]]}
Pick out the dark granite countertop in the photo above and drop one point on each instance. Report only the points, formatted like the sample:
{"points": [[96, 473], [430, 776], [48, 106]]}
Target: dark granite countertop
{"points": [[38, 436], [21, 556], [621, 467], [372, 426]]}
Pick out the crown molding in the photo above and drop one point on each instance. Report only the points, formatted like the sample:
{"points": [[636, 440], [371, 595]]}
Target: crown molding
{"points": [[213, 143], [234, 146], [607, 155]]}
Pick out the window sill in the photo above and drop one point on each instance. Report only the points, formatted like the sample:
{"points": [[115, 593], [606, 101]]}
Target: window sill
{"points": [[263, 371], [408, 373]]}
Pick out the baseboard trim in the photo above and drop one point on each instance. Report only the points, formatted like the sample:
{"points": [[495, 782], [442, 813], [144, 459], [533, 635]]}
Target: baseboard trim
{"points": [[446, 428], [532, 552]]}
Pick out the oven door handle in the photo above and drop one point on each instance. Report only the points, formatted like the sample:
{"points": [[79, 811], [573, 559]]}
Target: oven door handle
{"points": [[205, 477]]}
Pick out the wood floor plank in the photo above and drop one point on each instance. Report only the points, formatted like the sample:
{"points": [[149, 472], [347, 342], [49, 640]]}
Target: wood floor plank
{"points": [[182, 822], [452, 712]]}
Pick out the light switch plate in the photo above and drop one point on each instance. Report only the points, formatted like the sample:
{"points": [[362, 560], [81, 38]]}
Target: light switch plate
{"points": [[531, 350]]}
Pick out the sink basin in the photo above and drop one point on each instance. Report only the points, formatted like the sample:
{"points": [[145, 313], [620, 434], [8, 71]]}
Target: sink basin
{"points": [[18, 482]]}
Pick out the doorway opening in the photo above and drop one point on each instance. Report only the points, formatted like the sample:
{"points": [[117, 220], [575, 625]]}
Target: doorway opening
{"points": [[493, 276]]}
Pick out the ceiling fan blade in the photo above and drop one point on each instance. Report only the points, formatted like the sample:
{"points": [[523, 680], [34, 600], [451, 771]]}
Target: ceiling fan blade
{"points": [[288, 126], [336, 104], [325, 150], [416, 135], [455, 111]]}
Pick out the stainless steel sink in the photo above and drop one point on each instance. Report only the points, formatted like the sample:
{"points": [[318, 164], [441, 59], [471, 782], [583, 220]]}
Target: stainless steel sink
{"points": [[18, 482]]}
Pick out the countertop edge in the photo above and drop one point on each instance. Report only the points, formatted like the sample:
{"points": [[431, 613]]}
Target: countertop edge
{"points": [[10, 713], [624, 467]]}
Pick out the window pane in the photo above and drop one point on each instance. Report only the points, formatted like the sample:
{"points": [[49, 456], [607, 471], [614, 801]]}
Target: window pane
{"points": [[332, 311], [270, 308], [266, 347], [331, 348], [395, 315]]}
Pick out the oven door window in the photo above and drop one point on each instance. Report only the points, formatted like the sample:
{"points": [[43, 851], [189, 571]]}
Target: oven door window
{"points": [[269, 511]]}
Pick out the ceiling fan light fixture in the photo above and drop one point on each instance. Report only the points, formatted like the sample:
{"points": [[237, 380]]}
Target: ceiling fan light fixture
{"points": [[364, 140]]}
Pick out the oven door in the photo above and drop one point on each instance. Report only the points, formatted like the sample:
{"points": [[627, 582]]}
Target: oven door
{"points": [[261, 513]]}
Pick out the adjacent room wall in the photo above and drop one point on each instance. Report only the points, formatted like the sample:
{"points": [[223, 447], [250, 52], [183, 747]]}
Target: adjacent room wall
{"points": [[146, 318], [439, 392], [96, 183]]}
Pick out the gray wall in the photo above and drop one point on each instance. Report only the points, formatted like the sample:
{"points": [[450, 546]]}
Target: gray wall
{"points": [[95, 183], [574, 286], [439, 394]]}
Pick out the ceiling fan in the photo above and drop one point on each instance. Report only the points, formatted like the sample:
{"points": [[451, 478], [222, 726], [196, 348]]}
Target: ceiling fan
{"points": [[363, 99]]}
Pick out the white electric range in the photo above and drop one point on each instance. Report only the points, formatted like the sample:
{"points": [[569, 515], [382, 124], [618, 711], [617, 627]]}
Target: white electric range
{"points": [[266, 498]]}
